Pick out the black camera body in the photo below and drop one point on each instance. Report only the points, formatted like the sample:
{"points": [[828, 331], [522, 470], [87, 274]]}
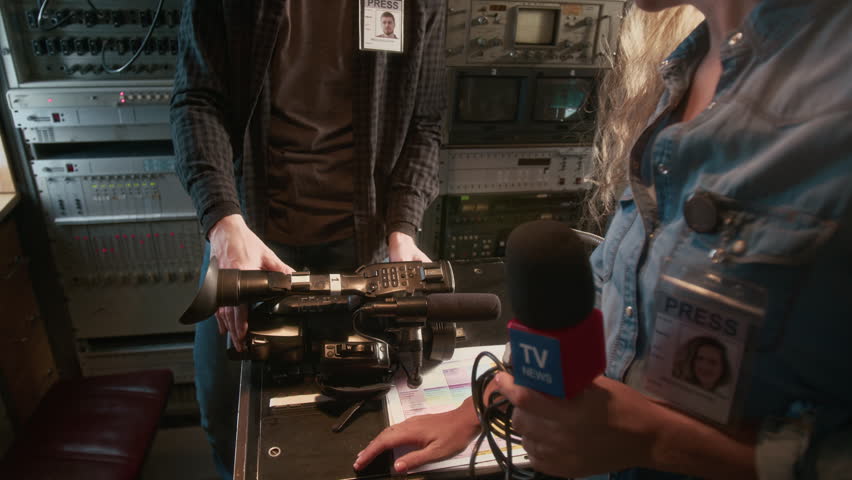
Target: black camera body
{"points": [[314, 335], [351, 330]]}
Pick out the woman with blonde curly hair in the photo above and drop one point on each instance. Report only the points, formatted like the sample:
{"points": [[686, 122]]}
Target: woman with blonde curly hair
{"points": [[723, 174]]}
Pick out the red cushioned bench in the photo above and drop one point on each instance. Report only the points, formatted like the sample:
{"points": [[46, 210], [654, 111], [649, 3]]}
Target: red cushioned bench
{"points": [[91, 428]]}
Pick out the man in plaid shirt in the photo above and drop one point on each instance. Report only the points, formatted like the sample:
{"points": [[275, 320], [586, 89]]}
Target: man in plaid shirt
{"points": [[300, 150]]}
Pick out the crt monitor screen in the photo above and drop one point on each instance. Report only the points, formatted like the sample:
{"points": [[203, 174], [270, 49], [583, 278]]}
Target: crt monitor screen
{"points": [[559, 99], [488, 99], [536, 26]]}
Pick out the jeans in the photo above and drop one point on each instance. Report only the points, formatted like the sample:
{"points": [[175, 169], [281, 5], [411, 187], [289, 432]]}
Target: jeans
{"points": [[217, 378]]}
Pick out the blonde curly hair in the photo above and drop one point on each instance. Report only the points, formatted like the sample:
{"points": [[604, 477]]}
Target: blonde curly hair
{"points": [[629, 93]]}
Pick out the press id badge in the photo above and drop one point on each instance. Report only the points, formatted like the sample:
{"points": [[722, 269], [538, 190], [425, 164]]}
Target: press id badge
{"points": [[698, 350], [381, 25]]}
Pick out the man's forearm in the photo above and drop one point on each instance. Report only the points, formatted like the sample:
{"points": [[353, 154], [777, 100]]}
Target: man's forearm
{"points": [[414, 180], [213, 216], [406, 228], [203, 150]]}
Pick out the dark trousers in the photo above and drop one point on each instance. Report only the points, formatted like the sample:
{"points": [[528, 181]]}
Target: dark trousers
{"points": [[217, 378]]}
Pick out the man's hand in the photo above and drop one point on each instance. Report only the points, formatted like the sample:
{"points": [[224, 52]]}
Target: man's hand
{"points": [[436, 436], [401, 248], [236, 246]]}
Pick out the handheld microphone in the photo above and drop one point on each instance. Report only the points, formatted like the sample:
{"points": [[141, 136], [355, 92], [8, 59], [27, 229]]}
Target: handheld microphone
{"points": [[557, 339]]}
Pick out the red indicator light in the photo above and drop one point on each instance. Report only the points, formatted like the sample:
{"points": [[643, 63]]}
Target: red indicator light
{"points": [[103, 250], [49, 100], [148, 236], [156, 235], [141, 242], [118, 236], [132, 236], [172, 234], [121, 93], [76, 238], [181, 245], [85, 238]]}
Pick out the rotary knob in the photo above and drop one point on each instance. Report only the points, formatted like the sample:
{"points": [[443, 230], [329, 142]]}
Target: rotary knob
{"points": [[480, 20]]}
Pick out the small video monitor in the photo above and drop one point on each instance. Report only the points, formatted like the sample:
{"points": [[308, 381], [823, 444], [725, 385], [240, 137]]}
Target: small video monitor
{"points": [[559, 99], [488, 99]]}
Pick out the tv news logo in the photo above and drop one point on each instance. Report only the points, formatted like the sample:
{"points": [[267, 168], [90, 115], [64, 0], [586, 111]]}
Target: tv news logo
{"points": [[537, 362]]}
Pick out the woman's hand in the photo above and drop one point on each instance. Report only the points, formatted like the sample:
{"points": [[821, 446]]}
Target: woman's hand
{"points": [[605, 428], [436, 436], [610, 427]]}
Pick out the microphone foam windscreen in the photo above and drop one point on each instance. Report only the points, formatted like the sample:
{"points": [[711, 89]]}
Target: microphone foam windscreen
{"points": [[462, 307], [549, 276]]}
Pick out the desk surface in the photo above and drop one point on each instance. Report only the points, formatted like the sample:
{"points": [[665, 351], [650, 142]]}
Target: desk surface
{"points": [[308, 449], [7, 203]]}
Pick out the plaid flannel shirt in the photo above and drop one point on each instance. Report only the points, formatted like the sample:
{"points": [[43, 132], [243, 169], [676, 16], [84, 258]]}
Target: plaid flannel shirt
{"points": [[220, 115]]}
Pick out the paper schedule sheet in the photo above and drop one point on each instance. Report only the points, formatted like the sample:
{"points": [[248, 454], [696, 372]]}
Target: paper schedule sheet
{"points": [[444, 388]]}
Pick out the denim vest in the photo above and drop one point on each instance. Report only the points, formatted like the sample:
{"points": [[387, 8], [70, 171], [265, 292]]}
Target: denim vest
{"points": [[775, 148]]}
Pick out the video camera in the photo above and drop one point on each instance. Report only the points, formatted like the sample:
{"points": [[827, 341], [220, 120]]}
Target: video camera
{"points": [[355, 329]]}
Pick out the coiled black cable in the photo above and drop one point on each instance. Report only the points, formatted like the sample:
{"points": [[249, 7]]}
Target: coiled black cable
{"points": [[42, 5], [139, 50], [495, 420]]}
